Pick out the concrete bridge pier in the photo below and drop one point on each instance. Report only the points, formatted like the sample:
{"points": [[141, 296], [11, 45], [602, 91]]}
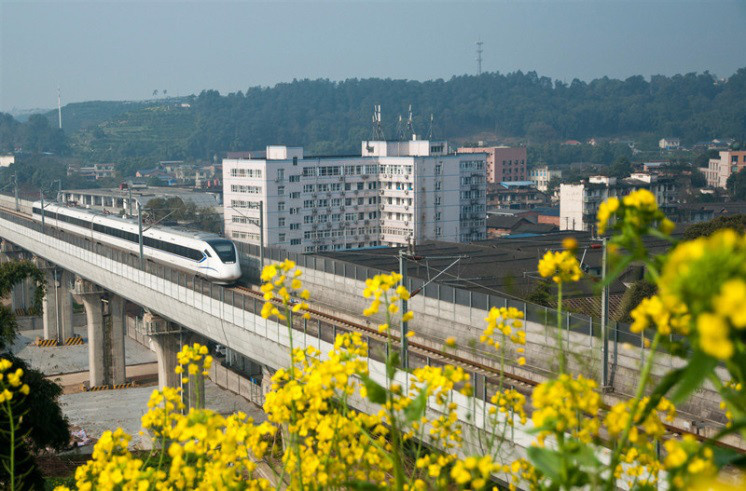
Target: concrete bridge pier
{"points": [[194, 393], [167, 341], [90, 295], [116, 332], [57, 304]]}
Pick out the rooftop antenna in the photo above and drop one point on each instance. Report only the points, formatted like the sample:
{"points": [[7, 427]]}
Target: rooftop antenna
{"points": [[479, 56], [377, 125], [430, 130], [400, 129], [410, 124], [59, 107]]}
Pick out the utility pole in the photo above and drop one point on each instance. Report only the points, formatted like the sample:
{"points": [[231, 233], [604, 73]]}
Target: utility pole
{"points": [[605, 318], [41, 194], [59, 107], [15, 191], [139, 226], [404, 325], [479, 57], [129, 199]]}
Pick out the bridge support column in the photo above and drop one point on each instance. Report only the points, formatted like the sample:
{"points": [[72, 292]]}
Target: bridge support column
{"points": [[65, 304], [117, 318], [90, 295], [22, 294], [167, 345], [57, 305], [194, 391]]}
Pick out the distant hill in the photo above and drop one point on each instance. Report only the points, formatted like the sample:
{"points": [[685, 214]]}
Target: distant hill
{"points": [[333, 117], [82, 115]]}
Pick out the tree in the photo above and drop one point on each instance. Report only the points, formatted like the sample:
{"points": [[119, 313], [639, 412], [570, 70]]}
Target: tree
{"points": [[698, 178], [541, 294], [42, 424], [735, 222], [639, 290], [12, 273], [620, 168], [736, 185]]}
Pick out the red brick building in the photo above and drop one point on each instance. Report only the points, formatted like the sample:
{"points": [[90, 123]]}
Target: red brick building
{"points": [[504, 164]]}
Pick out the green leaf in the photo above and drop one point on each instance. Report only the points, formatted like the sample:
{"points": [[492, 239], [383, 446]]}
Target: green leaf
{"points": [[700, 366], [376, 393], [416, 409], [585, 456], [547, 461], [392, 364], [726, 456]]}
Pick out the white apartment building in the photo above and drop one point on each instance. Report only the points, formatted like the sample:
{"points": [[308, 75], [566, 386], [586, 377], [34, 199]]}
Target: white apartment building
{"points": [[720, 169], [394, 193], [541, 176], [579, 202]]}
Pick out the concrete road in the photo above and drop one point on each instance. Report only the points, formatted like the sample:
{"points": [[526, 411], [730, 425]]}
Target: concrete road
{"points": [[96, 412], [70, 359], [145, 374]]}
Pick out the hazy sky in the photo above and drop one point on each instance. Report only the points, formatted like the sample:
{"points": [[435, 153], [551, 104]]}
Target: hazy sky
{"points": [[124, 50]]}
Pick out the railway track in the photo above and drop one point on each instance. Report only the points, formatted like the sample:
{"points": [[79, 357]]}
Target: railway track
{"points": [[522, 384], [491, 374]]}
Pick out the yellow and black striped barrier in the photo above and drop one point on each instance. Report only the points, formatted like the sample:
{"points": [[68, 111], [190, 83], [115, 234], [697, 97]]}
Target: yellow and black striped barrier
{"points": [[46, 343], [110, 387], [124, 386], [74, 341]]}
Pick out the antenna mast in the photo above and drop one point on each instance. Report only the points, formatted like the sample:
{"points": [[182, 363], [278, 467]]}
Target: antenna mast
{"points": [[377, 125], [410, 124], [59, 107], [479, 56]]}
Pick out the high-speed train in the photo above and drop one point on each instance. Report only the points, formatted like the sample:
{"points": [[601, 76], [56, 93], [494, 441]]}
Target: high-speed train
{"points": [[205, 254]]}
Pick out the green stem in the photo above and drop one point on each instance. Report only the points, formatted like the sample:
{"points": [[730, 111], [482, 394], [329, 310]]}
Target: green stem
{"points": [[12, 449], [560, 345], [644, 375], [294, 413]]}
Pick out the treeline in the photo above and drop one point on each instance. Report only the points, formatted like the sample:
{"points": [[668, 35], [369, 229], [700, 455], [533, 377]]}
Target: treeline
{"points": [[332, 117], [35, 135]]}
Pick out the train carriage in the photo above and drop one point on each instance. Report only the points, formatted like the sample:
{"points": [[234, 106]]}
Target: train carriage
{"points": [[202, 253]]}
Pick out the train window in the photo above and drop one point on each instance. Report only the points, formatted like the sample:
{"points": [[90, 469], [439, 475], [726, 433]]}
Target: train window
{"points": [[225, 249]]}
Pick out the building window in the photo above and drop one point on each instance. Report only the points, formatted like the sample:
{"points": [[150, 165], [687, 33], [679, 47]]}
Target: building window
{"points": [[438, 169], [281, 206], [280, 190], [282, 237], [280, 174], [294, 241], [294, 226], [438, 231], [437, 216], [281, 222]]}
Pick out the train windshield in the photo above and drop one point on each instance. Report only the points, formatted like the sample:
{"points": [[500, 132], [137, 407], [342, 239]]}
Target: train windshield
{"points": [[224, 249]]}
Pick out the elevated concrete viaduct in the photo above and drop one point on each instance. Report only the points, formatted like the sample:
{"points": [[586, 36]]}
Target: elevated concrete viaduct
{"points": [[226, 316]]}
